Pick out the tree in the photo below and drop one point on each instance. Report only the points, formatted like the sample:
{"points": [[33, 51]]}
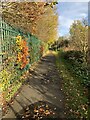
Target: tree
{"points": [[22, 14], [79, 35], [38, 18], [47, 26]]}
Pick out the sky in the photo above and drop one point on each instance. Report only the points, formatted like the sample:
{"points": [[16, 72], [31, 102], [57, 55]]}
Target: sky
{"points": [[68, 12]]}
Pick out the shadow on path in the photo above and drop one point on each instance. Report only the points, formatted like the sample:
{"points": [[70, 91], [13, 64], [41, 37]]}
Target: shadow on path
{"points": [[43, 87]]}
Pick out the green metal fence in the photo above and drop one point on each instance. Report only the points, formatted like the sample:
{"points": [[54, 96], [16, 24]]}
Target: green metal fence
{"points": [[10, 73]]}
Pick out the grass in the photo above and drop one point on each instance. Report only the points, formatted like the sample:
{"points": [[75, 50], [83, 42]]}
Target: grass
{"points": [[75, 92], [73, 61]]}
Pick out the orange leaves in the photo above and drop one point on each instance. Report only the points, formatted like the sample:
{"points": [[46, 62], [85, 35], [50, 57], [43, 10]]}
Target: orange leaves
{"points": [[23, 53], [38, 18], [18, 40], [21, 13], [41, 50], [24, 43]]}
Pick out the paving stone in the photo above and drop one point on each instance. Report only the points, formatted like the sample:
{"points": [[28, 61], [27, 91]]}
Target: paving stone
{"points": [[43, 85]]}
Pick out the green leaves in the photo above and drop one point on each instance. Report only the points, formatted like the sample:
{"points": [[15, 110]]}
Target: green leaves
{"points": [[76, 94], [74, 63], [79, 38]]}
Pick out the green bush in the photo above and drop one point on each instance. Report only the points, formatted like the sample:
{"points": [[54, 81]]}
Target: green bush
{"points": [[74, 55], [75, 64], [76, 94]]}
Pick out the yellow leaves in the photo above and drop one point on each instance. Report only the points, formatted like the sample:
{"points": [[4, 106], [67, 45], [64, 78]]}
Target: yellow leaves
{"points": [[19, 57], [19, 37], [2, 53], [5, 78], [47, 106], [43, 111], [35, 110], [22, 12], [4, 73], [29, 14], [22, 52], [47, 112], [0, 85], [18, 40]]}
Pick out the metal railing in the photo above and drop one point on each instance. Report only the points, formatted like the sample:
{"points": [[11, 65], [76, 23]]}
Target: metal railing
{"points": [[8, 56]]}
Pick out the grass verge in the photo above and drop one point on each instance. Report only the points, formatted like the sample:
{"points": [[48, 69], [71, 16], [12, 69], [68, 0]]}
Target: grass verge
{"points": [[76, 94]]}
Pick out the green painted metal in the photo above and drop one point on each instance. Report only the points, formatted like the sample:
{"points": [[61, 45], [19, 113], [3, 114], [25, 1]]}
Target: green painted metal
{"points": [[8, 35], [8, 56]]}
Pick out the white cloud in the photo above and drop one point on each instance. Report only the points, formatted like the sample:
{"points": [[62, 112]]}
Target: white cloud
{"points": [[64, 25], [65, 21], [68, 12], [83, 15]]}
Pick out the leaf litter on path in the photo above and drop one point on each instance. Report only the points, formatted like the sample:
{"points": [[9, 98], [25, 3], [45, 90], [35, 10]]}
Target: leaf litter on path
{"points": [[39, 110]]}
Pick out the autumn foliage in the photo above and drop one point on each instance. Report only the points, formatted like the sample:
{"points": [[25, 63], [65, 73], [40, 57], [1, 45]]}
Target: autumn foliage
{"points": [[22, 52], [38, 18]]}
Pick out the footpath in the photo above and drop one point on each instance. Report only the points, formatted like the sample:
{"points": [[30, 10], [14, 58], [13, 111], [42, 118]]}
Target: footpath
{"points": [[42, 87]]}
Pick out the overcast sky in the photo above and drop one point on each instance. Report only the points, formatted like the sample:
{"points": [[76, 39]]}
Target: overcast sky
{"points": [[68, 12]]}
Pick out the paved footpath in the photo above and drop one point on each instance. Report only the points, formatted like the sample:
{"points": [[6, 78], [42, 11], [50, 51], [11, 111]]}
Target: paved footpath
{"points": [[43, 85]]}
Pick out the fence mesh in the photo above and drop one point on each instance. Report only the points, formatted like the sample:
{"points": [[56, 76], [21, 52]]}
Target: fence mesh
{"points": [[18, 51]]}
